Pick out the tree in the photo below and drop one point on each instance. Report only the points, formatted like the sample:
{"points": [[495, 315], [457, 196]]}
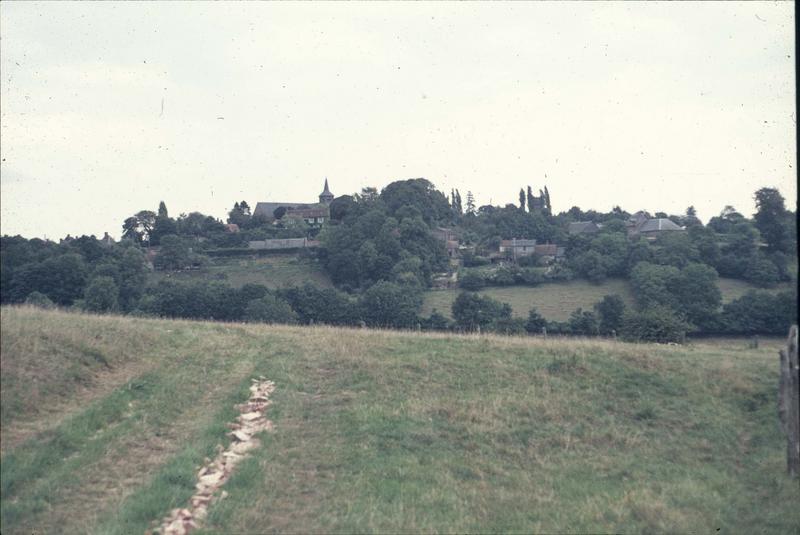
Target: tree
{"points": [[654, 324], [174, 253], [39, 300], [760, 312], [386, 304], [583, 322], [470, 203], [698, 294], [130, 230], [530, 199], [132, 277], [62, 278], [162, 210], [536, 323], [471, 280], [472, 311], [771, 219], [102, 295], [270, 309], [522, 199], [610, 310]]}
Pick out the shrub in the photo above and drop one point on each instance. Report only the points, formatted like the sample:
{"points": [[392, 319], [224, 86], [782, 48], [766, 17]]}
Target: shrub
{"points": [[535, 322], [102, 295], [760, 312], [472, 311], [654, 324], [471, 280], [386, 304], [39, 300], [610, 310], [583, 322], [270, 309], [509, 326]]}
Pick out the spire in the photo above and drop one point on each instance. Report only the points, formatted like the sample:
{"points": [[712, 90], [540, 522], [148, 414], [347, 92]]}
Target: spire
{"points": [[326, 196]]}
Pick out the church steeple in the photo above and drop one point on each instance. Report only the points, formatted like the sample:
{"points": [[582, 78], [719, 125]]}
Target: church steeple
{"points": [[326, 196]]}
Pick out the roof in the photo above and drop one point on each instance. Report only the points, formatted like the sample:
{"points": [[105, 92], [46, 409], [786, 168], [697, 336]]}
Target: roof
{"points": [[307, 212], [547, 249], [658, 225], [326, 191], [518, 243], [582, 226], [267, 209]]}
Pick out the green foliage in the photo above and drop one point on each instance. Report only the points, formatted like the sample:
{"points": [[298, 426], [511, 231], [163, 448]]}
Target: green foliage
{"points": [[472, 311], [102, 295], [692, 292], [610, 311], [270, 309], [772, 221], [417, 194], [583, 322], [386, 304], [654, 324], [759, 312], [536, 323], [39, 300], [62, 278], [318, 305]]}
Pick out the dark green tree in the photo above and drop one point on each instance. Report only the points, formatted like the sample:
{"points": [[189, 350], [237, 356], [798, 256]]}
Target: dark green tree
{"points": [[101, 295], [610, 311], [771, 219]]}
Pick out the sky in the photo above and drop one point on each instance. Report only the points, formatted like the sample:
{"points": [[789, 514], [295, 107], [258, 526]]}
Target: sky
{"points": [[108, 108]]}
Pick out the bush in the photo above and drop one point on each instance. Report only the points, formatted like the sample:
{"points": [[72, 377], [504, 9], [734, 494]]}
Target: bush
{"points": [[102, 295], [270, 309], [760, 312], [472, 311], [435, 322], [39, 300], [471, 280], [509, 326], [654, 324], [535, 322], [386, 304], [610, 310], [583, 322]]}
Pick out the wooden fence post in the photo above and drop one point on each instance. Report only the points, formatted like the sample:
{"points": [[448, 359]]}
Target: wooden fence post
{"points": [[789, 402]]}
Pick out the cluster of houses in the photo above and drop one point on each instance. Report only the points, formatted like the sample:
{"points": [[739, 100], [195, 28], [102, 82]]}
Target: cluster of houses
{"points": [[639, 224]]}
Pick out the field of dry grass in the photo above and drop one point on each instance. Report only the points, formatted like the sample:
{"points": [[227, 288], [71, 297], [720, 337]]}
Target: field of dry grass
{"points": [[382, 431]]}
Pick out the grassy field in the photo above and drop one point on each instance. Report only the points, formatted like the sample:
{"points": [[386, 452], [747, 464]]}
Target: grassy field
{"points": [[106, 420], [557, 301], [274, 271]]}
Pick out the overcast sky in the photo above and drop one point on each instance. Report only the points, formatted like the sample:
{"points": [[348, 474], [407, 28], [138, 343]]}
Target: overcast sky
{"points": [[108, 108]]}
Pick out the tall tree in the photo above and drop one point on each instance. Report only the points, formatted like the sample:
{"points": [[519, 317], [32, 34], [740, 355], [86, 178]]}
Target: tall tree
{"points": [[470, 203], [522, 199], [771, 219], [530, 199], [162, 210]]}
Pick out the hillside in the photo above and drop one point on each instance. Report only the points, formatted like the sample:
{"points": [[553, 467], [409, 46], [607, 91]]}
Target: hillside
{"points": [[273, 271], [106, 420], [556, 301]]}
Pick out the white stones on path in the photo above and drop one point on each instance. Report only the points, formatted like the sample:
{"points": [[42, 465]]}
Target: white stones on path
{"points": [[251, 421]]}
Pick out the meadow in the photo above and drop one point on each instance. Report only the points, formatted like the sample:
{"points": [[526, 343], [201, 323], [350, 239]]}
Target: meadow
{"points": [[273, 271], [556, 301], [106, 419]]}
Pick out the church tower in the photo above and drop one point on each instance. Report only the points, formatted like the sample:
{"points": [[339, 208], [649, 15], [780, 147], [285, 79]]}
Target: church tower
{"points": [[326, 196]]}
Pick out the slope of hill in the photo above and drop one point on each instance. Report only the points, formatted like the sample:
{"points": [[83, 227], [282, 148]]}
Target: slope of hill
{"points": [[556, 301], [273, 271], [106, 421]]}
